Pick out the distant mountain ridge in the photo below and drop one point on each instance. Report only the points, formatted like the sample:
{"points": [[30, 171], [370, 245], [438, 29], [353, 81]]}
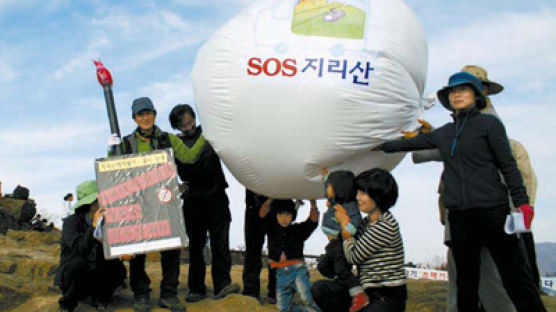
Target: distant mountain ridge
{"points": [[546, 258]]}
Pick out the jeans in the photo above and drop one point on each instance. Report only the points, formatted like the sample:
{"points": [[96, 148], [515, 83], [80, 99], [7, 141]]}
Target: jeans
{"points": [[289, 280]]}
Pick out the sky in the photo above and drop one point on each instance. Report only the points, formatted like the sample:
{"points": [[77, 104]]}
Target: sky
{"points": [[54, 121]]}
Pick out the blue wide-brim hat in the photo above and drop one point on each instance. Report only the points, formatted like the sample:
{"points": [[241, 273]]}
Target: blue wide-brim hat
{"points": [[458, 79]]}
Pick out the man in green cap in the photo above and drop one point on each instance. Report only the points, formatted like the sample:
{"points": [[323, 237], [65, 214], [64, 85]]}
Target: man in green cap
{"points": [[83, 272], [148, 137]]}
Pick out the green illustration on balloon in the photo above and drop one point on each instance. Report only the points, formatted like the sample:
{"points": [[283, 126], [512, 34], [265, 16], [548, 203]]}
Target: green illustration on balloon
{"points": [[328, 19]]}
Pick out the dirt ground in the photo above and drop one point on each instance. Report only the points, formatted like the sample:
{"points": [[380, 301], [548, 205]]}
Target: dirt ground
{"points": [[28, 262]]}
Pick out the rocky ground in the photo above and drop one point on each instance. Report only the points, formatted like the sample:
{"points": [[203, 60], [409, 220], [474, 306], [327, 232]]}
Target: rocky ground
{"points": [[28, 262]]}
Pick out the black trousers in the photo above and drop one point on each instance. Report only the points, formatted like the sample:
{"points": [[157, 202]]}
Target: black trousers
{"points": [[79, 281], [529, 246], [470, 231], [334, 250], [140, 281], [208, 214], [332, 296], [254, 231]]}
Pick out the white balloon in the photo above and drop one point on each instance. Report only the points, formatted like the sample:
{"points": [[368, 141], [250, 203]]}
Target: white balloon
{"points": [[291, 86]]}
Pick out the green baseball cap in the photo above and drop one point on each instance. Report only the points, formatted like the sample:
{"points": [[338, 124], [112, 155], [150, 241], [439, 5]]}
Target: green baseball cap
{"points": [[86, 194]]}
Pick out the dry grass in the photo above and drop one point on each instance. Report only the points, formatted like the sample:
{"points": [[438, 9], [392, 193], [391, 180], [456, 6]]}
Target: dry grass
{"points": [[424, 296], [28, 261]]}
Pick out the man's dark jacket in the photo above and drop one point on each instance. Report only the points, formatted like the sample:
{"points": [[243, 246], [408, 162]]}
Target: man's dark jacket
{"points": [[471, 177], [205, 176]]}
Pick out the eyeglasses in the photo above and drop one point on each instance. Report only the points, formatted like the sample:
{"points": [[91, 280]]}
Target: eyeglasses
{"points": [[461, 88]]}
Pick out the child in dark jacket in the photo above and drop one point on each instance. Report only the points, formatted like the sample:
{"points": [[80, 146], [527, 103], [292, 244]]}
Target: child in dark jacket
{"points": [[339, 189], [285, 251]]}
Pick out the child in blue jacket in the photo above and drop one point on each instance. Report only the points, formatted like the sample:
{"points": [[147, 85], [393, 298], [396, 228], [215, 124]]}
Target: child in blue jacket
{"points": [[339, 189]]}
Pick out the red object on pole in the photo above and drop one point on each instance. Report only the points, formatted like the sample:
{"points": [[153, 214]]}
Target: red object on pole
{"points": [[103, 75], [105, 79]]}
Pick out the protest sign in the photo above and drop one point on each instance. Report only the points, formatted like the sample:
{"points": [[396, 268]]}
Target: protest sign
{"points": [[141, 197]]}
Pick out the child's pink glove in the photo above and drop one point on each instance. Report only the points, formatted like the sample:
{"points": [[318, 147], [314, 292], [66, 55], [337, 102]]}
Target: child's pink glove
{"points": [[528, 214]]}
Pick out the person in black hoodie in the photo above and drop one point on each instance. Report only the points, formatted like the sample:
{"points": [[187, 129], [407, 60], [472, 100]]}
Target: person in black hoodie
{"points": [[83, 271], [205, 209], [474, 149]]}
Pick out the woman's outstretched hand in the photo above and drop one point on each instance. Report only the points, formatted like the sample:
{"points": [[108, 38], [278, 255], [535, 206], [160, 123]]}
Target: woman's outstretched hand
{"points": [[424, 128]]}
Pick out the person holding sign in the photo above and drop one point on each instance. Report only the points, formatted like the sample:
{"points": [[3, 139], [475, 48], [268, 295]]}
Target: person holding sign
{"points": [[148, 137], [83, 271], [474, 149]]}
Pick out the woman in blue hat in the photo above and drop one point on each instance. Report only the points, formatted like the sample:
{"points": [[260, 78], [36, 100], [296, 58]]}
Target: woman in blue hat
{"points": [[474, 149]]}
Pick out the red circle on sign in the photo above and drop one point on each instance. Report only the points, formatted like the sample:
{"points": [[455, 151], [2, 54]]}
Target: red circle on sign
{"points": [[164, 195]]}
